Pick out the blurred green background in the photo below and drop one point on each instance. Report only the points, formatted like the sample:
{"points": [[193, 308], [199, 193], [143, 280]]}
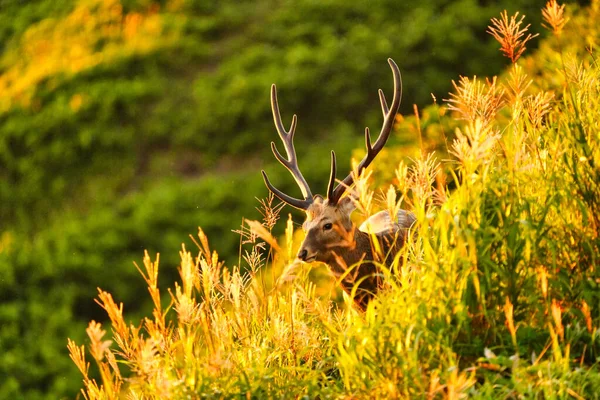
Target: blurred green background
{"points": [[125, 125]]}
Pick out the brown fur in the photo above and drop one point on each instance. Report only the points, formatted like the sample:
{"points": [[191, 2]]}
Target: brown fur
{"points": [[349, 252]]}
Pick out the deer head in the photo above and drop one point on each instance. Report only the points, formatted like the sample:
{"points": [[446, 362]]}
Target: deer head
{"points": [[329, 229]]}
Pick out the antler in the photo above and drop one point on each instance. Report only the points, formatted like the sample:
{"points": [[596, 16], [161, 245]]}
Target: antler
{"points": [[389, 114], [291, 163]]}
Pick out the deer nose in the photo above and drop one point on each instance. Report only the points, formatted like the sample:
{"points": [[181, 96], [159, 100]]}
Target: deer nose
{"points": [[302, 254]]}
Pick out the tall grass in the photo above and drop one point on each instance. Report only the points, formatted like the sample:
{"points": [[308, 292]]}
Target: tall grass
{"points": [[495, 295]]}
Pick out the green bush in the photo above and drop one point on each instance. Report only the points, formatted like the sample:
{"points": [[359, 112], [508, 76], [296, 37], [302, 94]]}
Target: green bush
{"points": [[197, 78], [48, 279]]}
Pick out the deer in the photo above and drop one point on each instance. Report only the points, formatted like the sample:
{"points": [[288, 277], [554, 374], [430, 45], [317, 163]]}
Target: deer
{"points": [[332, 237]]}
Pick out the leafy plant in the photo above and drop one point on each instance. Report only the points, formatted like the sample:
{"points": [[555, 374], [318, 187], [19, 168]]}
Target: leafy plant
{"points": [[495, 296], [146, 118]]}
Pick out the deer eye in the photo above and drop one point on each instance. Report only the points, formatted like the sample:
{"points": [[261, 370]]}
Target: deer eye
{"points": [[327, 226]]}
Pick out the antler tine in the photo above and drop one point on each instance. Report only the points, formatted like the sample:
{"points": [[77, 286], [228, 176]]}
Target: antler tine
{"points": [[384, 107], [331, 184], [300, 204], [389, 114], [291, 162]]}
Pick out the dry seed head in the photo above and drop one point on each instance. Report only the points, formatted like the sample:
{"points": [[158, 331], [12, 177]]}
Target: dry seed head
{"points": [[422, 177], [269, 212], [259, 230], [147, 362], [475, 145], [115, 313], [208, 280], [418, 121], [255, 257], [189, 271], [156, 331], [517, 83], [554, 16], [184, 306], [392, 204], [151, 278], [247, 236], [542, 275], [401, 181], [98, 347], [361, 194], [537, 107], [151, 275], [289, 237], [458, 384], [510, 35], [510, 323], [475, 100], [77, 354], [255, 294], [557, 316], [585, 309], [235, 289], [203, 245], [440, 185]]}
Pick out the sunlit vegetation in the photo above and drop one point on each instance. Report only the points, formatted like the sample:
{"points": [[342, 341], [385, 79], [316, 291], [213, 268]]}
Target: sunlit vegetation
{"points": [[94, 32], [496, 295], [126, 124]]}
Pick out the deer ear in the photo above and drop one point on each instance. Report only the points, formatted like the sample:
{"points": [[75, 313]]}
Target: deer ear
{"points": [[318, 199], [346, 205]]}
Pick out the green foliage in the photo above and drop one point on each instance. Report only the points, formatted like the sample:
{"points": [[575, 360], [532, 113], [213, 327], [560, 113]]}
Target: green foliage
{"points": [[105, 242], [495, 294], [125, 124], [16, 16], [199, 76]]}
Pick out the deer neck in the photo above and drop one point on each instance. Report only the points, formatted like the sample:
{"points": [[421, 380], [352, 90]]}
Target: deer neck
{"points": [[361, 249], [358, 250], [353, 263]]}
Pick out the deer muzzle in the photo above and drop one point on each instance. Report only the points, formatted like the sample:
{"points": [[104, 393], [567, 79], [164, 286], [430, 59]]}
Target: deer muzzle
{"points": [[302, 254], [308, 251]]}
